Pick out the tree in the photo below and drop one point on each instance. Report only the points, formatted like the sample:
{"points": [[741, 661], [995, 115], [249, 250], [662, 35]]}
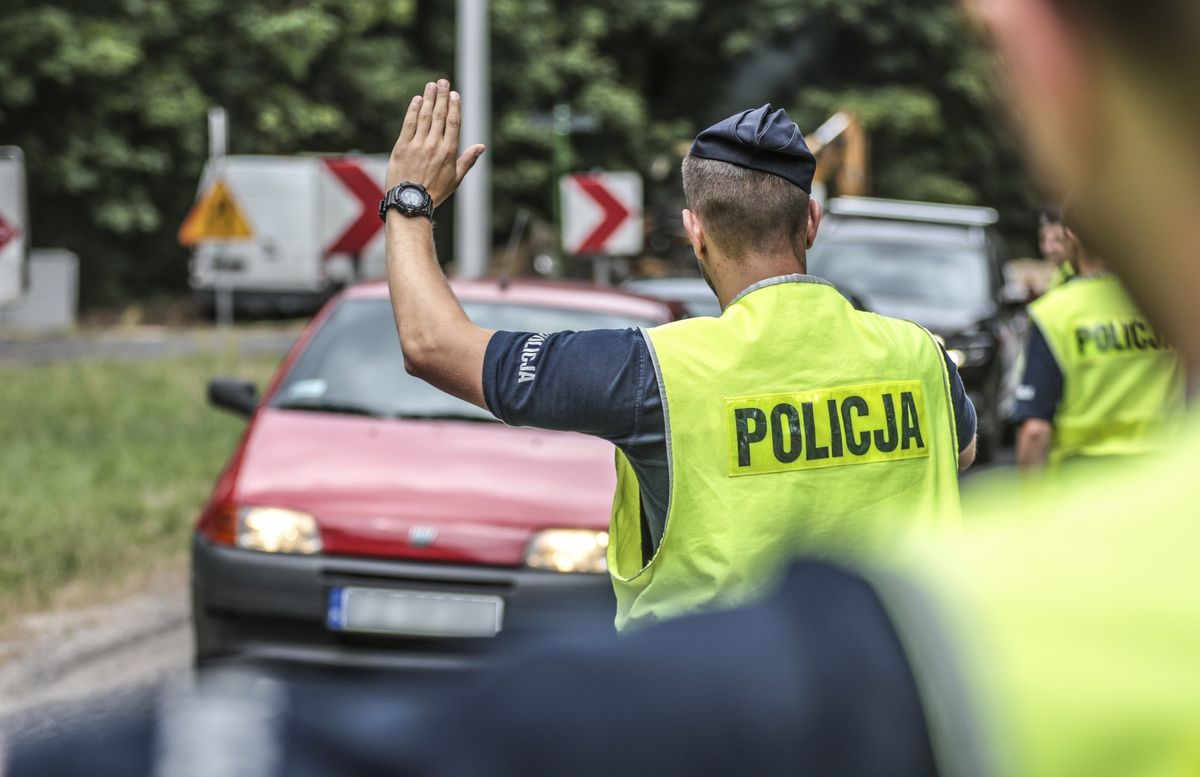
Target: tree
{"points": [[108, 99]]}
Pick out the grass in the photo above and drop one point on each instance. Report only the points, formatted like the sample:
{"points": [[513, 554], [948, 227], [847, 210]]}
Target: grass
{"points": [[104, 466]]}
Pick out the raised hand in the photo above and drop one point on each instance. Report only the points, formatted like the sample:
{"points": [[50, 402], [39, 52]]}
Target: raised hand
{"points": [[427, 150]]}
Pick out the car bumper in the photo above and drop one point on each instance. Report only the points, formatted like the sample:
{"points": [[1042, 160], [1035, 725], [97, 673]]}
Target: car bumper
{"points": [[273, 607]]}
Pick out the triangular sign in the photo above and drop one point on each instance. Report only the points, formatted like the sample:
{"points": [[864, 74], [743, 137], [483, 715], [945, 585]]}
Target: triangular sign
{"points": [[215, 216]]}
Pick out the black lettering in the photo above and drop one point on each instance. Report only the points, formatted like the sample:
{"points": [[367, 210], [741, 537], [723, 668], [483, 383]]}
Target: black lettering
{"points": [[910, 422], [745, 437], [795, 444], [1083, 336], [1104, 337], [1139, 335], [812, 450], [835, 430], [889, 443], [1127, 330], [860, 445]]}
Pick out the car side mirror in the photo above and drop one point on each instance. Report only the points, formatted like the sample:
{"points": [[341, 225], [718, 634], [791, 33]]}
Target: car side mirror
{"points": [[239, 396]]}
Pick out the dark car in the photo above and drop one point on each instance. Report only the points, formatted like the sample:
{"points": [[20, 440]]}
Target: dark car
{"points": [[693, 293], [366, 517], [942, 267]]}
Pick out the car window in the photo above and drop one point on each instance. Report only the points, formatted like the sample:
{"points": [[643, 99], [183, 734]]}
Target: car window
{"points": [[902, 271], [354, 364]]}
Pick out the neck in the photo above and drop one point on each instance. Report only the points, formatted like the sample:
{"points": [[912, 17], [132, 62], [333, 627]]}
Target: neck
{"points": [[730, 277]]}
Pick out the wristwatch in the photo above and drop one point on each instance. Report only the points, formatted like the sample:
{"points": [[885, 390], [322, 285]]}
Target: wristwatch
{"points": [[411, 199]]}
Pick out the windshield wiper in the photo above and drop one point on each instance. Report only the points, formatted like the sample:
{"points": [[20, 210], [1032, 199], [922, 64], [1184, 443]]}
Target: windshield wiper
{"points": [[450, 416], [324, 406]]}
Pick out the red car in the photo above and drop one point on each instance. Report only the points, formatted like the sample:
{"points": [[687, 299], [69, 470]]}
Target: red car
{"points": [[366, 517]]}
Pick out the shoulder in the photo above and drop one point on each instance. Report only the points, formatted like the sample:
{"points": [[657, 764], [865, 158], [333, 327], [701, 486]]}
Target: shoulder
{"points": [[590, 381]]}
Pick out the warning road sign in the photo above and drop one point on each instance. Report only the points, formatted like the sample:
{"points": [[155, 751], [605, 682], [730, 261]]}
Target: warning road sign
{"points": [[8, 232], [367, 192], [602, 213], [216, 216]]}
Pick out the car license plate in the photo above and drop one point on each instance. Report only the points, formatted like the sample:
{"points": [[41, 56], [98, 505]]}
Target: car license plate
{"points": [[414, 613]]}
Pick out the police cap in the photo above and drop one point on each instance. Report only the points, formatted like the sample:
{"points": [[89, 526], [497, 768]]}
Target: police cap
{"points": [[764, 139]]}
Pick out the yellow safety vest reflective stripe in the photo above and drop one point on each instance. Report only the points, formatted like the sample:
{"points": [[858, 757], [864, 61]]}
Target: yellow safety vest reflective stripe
{"points": [[1121, 380], [794, 422]]}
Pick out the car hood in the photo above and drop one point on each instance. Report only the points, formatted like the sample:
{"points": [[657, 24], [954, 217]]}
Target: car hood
{"points": [[480, 488], [939, 320]]}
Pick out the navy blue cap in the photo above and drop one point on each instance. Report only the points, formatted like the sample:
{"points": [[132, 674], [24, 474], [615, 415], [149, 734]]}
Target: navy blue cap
{"points": [[763, 139]]}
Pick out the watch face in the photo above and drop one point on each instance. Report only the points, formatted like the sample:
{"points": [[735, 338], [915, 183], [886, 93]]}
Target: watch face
{"points": [[411, 197]]}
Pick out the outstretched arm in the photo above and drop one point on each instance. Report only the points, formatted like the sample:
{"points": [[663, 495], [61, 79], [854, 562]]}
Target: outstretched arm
{"points": [[441, 345]]}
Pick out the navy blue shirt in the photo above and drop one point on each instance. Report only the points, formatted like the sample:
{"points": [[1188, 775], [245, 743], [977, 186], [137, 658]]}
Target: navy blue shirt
{"points": [[1041, 386], [603, 383]]}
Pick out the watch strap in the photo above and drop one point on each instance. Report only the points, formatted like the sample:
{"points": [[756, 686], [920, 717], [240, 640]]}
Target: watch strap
{"points": [[392, 200]]}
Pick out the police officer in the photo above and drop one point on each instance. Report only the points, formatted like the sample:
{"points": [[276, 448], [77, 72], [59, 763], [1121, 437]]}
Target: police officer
{"points": [[1099, 380], [818, 424]]}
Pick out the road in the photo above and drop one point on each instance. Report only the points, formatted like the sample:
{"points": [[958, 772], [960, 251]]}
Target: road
{"points": [[62, 667], [148, 342]]}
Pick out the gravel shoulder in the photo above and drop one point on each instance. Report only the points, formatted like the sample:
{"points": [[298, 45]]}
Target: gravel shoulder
{"points": [[59, 667]]}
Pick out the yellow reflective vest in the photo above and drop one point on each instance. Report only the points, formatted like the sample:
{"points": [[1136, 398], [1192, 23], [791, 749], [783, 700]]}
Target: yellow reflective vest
{"points": [[1063, 640], [1063, 272], [1121, 380], [794, 422]]}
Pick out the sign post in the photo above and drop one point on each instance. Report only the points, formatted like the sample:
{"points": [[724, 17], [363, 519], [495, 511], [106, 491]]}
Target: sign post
{"points": [[473, 203], [14, 225], [217, 216], [601, 217]]}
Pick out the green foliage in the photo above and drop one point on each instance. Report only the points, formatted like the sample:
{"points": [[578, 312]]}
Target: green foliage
{"points": [[108, 98], [106, 466]]}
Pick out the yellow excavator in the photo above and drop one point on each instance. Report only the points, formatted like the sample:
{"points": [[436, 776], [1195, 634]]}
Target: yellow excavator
{"points": [[842, 151]]}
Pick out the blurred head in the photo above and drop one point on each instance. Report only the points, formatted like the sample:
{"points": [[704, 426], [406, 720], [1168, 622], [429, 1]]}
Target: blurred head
{"points": [[1105, 94], [1052, 242]]}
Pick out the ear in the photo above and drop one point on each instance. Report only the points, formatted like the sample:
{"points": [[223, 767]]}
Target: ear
{"points": [[815, 212], [695, 232]]}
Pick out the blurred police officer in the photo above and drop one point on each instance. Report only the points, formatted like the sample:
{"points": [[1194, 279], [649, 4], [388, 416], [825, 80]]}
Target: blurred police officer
{"points": [[769, 412], [1099, 381]]}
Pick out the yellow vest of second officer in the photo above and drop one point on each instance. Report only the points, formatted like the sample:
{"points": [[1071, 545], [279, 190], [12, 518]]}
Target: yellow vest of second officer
{"points": [[794, 422], [1121, 380]]}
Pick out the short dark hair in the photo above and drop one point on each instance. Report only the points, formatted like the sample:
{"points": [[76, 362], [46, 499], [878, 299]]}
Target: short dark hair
{"points": [[746, 211]]}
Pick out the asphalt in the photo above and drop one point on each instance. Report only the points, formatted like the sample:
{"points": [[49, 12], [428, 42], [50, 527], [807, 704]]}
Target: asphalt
{"points": [[146, 342], [81, 666]]}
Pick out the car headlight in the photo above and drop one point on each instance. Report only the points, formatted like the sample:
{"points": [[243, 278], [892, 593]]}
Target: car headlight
{"points": [[277, 530], [568, 550]]}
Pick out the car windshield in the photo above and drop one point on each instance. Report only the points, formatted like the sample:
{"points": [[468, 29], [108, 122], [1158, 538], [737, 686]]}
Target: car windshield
{"points": [[946, 275], [354, 365]]}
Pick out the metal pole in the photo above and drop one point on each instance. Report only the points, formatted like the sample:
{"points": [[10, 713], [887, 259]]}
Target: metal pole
{"points": [[218, 132], [218, 144], [473, 203]]}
